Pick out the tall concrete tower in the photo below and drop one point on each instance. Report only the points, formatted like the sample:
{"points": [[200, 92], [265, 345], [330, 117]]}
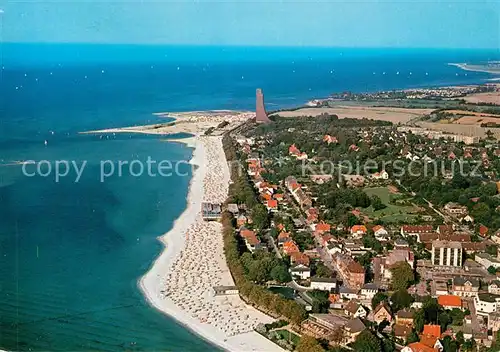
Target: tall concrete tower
{"points": [[260, 110]]}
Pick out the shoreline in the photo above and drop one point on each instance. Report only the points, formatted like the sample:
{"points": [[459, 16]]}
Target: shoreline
{"points": [[153, 284], [466, 67]]}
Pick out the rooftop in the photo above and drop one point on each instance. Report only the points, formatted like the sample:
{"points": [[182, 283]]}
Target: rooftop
{"points": [[488, 297], [355, 325], [450, 301], [323, 279], [446, 244]]}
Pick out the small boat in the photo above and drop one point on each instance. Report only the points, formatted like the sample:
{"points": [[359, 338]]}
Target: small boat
{"points": [[46, 142]]}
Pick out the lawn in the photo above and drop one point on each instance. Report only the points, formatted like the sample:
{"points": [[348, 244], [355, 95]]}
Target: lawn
{"points": [[286, 292], [285, 335], [392, 212]]}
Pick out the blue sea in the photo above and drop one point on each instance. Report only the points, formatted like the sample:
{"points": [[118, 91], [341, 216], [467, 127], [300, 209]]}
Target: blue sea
{"points": [[71, 252]]}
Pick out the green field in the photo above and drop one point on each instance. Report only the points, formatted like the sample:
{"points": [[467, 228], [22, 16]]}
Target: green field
{"points": [[286, 292], [392, 212], [285, 335]]}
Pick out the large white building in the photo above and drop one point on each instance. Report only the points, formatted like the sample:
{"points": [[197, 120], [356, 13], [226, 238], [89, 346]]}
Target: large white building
{"points": [[446, 253], [486, 303], [487, 260], [323, 283]]}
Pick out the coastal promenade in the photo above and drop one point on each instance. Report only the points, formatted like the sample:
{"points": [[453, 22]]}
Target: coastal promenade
{"points": [[180, 283]]}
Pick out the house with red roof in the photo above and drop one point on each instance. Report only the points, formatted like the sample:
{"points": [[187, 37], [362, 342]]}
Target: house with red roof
{"points": [[450, 301], [278, 196], [358, 230], [312, 215], [431, 341], [297, 258], [241, 220], [283, 237], [266, 196], [432, 330], [323, 240], [483, 230], [416, 230], [383, 175], [330, 139], [251, 240], [322, 227], [353, 147], [290, 247], [418, 347], [293, 150], [272, 205]]}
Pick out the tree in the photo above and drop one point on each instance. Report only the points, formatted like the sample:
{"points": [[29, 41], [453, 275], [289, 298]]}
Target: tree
{"points": [[431, 310], [444, 320], [412, 337], [469, 345], [402, 276], [323, 271], [308, 344], [419, 320], [379, 297], [320, 302], [367, 342], [492, 250], [260, 217], [337, 336], [388, 345], [449, 344], [457, 316], [377, 203], [492, 270], [459, 337], [280, 273], [401, 299], [496, 344], [296, 312]]}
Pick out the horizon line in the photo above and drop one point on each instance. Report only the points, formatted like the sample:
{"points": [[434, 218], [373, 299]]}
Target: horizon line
{"points": [[204, 45]]}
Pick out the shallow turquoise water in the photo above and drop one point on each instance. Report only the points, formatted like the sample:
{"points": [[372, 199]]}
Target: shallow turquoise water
{"points": [[71, 253]]}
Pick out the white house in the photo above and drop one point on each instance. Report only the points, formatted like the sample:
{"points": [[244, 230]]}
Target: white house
{"points": [[468, 218], [368, 291], [355, 310], [301, 271], [494, 287], [383, 175], [323, 283], [487, 260], [334, 248], [380, 232], [347, 293]]}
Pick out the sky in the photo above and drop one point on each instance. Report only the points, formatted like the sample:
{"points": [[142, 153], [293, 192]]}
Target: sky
{"points": [[368, 23]]}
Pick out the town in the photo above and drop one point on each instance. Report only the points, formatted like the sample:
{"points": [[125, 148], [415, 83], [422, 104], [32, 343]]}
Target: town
{"points": [[376, 260], [412, 94]]}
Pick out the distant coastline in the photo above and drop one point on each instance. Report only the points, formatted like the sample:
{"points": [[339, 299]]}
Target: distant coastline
{"points": [[477, 68]]}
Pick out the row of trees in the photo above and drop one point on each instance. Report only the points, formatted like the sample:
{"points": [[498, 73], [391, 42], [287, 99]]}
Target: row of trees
{"points": [[243, 269]]}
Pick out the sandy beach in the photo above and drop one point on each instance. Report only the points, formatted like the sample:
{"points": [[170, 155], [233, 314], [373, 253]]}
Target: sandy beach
{"points": [[193, 122], [477, 68], [180, 281]]}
